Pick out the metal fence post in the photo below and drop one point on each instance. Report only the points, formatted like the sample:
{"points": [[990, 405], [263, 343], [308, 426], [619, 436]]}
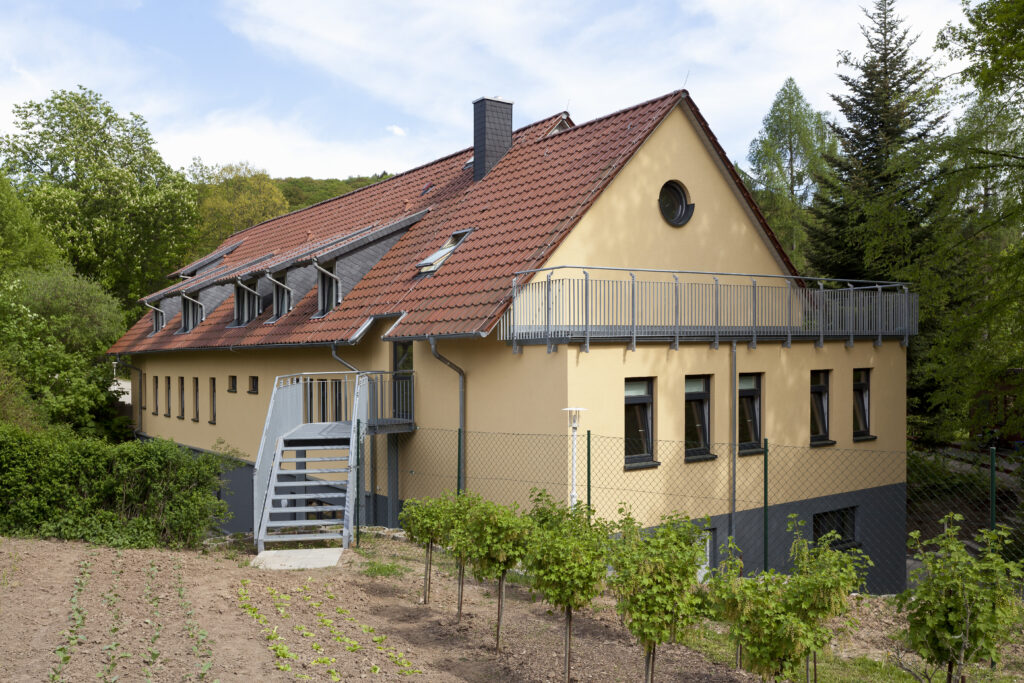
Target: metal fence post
{"points": [[588, 469], [753, 325], [878, 317], [586, 311], [906, 316], [458, 465], [515, 329], [849, 314], [764, 516], [992, 487], [675, 292], [547, 313], [821, 315], [714, 345]]}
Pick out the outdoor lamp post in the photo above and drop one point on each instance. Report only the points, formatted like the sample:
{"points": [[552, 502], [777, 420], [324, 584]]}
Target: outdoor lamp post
{"points": [[574, 422]]}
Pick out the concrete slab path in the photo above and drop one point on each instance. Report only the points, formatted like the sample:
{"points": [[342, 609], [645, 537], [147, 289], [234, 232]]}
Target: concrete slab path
{"points": [[312, 558]]}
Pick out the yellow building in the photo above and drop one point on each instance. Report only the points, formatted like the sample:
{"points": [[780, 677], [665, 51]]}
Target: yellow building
{"points": [[454, 311]]}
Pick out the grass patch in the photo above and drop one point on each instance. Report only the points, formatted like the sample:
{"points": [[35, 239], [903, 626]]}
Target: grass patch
{"points": [[381, 569]]}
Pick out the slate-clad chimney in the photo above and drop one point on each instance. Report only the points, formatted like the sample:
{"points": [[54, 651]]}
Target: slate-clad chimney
{"points": [[492, 133]]}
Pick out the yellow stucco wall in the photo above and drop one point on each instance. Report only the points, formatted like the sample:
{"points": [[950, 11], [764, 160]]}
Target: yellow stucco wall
{"points": [[624, 227]]}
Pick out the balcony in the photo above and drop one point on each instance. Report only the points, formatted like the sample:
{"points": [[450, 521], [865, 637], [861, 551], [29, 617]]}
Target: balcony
{"points": [[577, 305]]}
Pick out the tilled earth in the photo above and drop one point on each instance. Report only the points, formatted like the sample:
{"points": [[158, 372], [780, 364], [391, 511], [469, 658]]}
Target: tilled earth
{"points": [[76, 612]]}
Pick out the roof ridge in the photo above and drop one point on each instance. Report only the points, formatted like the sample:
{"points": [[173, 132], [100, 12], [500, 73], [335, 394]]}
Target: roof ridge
{"points": [[675, 93]]}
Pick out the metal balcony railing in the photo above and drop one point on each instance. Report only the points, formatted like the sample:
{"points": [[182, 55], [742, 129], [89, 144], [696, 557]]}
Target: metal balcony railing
{"points": [[568, 304]]}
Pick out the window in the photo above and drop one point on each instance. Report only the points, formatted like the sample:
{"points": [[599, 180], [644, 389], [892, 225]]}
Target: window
{"points": [[862, 405], [282, 300], [247, 302], [191, 313], [672, 201], [750, 413], [195, 399], [158, 320], [819, 408], [156, 395], [213, 400], [434, 261], [842, 521], [254, 384], [181, 398], [698, 398], [232, 384], [142, 392], [326, 290], [167, 395], [639, 434]]}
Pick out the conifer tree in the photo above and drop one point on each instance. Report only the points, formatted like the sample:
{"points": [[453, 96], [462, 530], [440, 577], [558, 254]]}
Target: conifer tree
{"points": [[873, 210]]}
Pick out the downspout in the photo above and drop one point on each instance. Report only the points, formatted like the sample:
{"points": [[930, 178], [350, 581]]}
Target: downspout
{"points": [[197, 302], [138, 404], [335, 356], [733, 408], [462, 408]]}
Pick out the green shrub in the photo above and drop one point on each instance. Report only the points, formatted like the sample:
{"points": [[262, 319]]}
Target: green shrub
{"points": [[134, 494], [654, 578], [963, 607], [425, 522]]}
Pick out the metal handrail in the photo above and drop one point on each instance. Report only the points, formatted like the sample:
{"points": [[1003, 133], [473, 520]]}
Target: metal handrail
{"points": [[801, 278]]}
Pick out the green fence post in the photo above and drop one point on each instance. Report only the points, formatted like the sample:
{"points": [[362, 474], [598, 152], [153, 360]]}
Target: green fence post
{"points": [[458, 464], [992, 488], [359, 476], [588, 469], [764, 514]]}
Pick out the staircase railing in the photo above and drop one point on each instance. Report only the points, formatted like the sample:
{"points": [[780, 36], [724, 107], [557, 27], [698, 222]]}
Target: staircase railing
{"points": [[359, 414]]}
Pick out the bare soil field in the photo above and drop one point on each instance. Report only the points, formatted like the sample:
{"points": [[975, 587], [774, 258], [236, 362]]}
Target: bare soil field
{"points": [[76, 612]]}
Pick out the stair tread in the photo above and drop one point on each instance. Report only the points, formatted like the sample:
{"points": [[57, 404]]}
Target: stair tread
{"points": [[307, 508], [309, 482], [297, 496], [301, 537], [278, 524], [339, 458], [318, 470]]}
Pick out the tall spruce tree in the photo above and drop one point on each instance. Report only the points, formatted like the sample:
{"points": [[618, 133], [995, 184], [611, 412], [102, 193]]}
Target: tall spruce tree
{"points": [[873, 210], [785, 157]]}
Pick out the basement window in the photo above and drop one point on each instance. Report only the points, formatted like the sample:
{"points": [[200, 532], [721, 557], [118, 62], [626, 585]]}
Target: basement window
{"points": [[247, 303], [434, 261]]}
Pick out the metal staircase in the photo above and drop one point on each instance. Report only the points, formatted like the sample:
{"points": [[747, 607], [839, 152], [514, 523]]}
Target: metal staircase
{"points": [[306, 480]]}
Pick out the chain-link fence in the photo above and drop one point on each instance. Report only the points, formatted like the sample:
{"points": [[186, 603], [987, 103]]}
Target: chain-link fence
{"points": [[872, 498]]}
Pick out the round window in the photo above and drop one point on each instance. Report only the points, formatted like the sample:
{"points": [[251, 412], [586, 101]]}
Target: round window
{"points": [[672, 201]]}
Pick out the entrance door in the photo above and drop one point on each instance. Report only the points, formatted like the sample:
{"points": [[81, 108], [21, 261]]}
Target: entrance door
{"points": [[401, 364]]}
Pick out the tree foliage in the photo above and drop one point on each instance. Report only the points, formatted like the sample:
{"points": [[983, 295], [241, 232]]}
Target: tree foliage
{"points": [[785, 158], [231, 198], [963, 607], [992, 41], [54, 327], [306, 191], [94, 180], [426, 521], [23, 243]]}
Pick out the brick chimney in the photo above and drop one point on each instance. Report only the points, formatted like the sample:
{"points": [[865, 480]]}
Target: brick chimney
{"points": [[492, 133]]}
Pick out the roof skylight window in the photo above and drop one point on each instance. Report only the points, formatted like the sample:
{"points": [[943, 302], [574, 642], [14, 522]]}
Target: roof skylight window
{"points": [[434, 261]]}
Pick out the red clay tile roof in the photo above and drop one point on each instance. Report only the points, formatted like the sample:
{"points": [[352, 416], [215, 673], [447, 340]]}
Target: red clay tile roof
{"points": [[518, 214]]}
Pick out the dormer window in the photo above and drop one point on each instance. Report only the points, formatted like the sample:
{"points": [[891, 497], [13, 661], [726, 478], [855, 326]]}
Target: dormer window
{"points": [[434, 261], [327, 293], [159, 320], [247, 302], [191, 313], [282, 297]]}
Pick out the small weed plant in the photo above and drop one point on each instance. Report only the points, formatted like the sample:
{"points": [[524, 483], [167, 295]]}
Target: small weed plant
{"points": [[76, 619]]}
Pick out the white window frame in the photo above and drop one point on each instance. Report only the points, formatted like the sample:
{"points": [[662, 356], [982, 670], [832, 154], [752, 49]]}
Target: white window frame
{"points": [[436, 259], [247, 304]]}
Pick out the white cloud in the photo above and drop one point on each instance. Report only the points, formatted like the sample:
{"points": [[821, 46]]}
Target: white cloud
{"points": [[396, 130]]}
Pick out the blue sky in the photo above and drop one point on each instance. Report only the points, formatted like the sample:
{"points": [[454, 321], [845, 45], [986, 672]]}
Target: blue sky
{"points": [[332, 89]]}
